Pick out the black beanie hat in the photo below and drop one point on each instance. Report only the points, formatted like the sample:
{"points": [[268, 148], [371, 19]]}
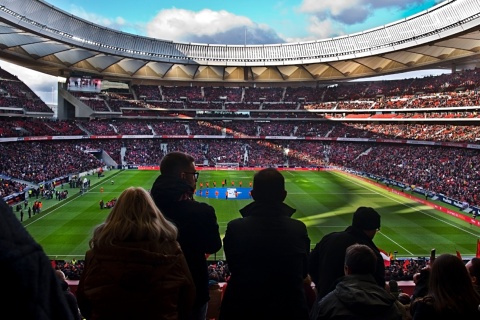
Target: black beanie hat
{"points": [[366, 218]]}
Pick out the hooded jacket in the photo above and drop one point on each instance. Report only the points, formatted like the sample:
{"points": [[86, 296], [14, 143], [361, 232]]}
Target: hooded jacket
{"points": [[327, 259], [266, 236], [140, 280], [357, 297], [198, 231]]}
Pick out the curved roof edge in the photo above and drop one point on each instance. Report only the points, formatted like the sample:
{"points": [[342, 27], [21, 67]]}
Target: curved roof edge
{"points": [[440, 21]]}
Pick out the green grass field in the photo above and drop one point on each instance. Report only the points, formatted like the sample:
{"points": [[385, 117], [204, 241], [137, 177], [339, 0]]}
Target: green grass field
{"points": [[325, 202]]}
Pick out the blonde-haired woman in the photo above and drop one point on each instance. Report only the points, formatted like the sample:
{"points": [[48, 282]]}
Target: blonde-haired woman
{"points": [[135, 268]]}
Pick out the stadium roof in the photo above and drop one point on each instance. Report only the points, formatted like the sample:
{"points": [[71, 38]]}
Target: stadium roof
{"points": [[41, 37]]}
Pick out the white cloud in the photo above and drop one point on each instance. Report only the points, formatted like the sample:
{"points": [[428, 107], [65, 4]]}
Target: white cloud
{"points": [[352, 12], [116, 23], [179, 24], [334, 7], [208, 26], [326, 28]]}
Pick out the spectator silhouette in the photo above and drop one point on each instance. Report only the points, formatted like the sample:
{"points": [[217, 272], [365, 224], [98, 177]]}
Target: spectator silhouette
{"points": [[135, 268], [421, 280], [327, 258], [393, 288], [266, 232], [357, 296], [31, 288], [69, 296], [451, 294], [473, 268], [198, 231]]}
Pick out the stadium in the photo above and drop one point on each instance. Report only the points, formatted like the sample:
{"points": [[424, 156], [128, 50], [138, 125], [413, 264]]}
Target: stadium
{"points": [[410, 148]]}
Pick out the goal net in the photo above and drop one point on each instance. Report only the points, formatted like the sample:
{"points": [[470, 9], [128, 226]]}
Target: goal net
{"points": [[227, 166]]}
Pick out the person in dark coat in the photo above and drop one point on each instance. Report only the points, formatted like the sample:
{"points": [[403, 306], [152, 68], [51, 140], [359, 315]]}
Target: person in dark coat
{"points": [[357, 296], [198, 231], [31, 289], [69, 296], [326, 261], [266, 236]]}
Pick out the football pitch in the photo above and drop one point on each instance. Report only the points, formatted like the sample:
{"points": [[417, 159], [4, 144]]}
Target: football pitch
{"points": [[324, 200]]}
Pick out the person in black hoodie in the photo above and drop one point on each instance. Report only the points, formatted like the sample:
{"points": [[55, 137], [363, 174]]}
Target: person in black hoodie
{"points": [[31, 289], [326, 261], [266, 234], [198, 231]]}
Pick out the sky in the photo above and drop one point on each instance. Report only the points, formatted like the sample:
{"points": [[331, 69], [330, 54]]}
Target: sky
{"points": [[230, 22]]}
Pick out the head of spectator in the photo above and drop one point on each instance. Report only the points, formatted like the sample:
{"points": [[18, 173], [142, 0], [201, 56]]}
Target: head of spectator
{"points": [[366, 219], [269, 186], [404, 298], [60, 275], [360, 259], [135, 217], [393, 287], [178, 167], [473, 268]]}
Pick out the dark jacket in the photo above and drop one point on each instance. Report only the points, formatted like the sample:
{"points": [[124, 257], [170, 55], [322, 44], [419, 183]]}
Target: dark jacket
{"points": [[422, 309], [140, 280], [31, 288], [71, 300], [266, 252], [327, 259], [198, 231], [357, 297]]}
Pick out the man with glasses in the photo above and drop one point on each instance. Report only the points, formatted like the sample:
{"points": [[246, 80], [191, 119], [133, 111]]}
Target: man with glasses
{"points": [[326, 261], [198, 231]]}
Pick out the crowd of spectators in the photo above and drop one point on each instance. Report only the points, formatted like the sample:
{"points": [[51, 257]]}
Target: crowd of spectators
{"points": [[448, 132], [454, 172], [399, 269], [8, 187], [16, 94], [456, 94], [37, 162]]}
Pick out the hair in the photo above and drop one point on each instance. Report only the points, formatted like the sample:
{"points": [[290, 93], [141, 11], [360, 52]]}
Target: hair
{"points": [[174, 163], [360, 259], [474, 269], [135, 217], [60, 274], [450, 286], [404, 298], [268, 185]]}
